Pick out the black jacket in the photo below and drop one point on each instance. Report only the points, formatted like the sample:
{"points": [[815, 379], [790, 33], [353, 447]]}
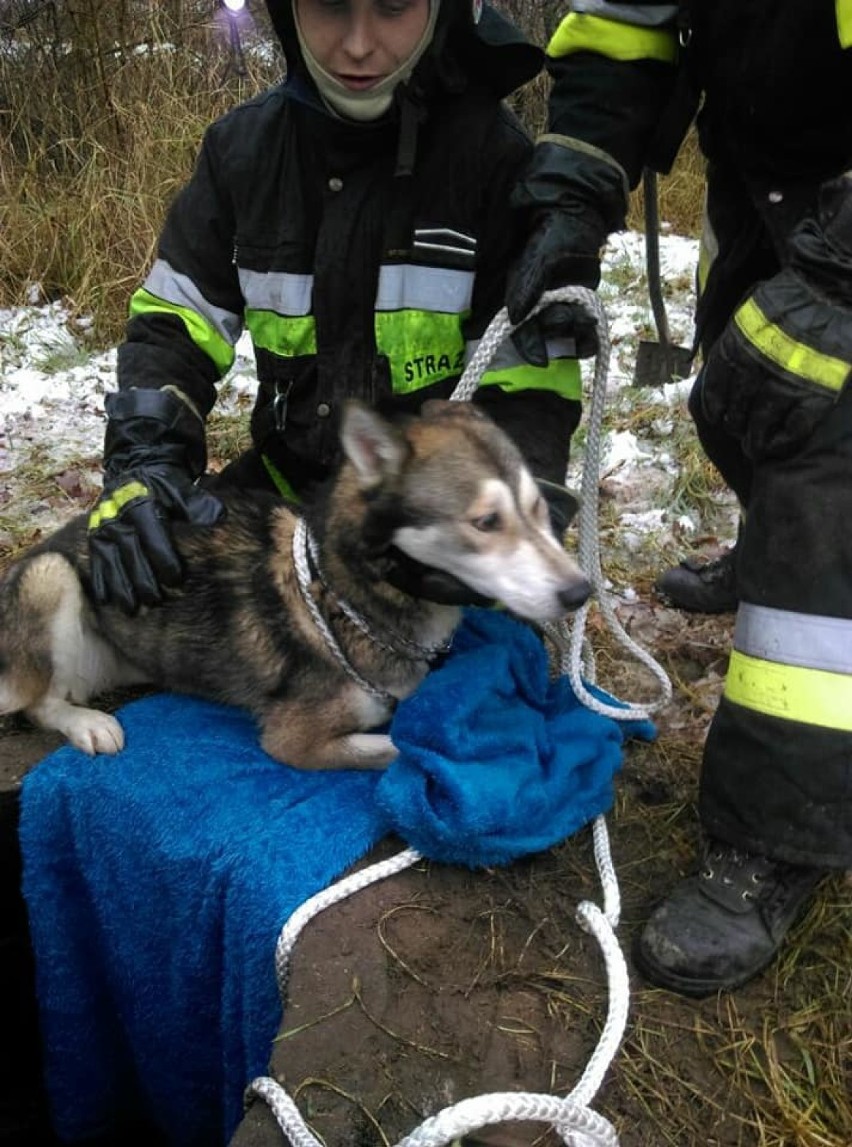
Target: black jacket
{"points": [[772, 87], [774, 81], [286, 198]]}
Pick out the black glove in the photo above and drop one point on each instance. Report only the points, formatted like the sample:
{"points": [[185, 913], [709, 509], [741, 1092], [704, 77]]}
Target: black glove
{"points": [[154, 450], [569, 201], [570, 322], [562, 250]]}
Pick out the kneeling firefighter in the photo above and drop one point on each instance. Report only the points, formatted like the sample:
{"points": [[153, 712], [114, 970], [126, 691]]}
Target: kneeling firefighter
{"points": [[355, 221]]}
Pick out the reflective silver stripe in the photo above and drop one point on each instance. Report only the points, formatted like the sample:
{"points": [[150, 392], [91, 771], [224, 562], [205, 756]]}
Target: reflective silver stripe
{"points": [[444, 239], [642, 15], [794, 638], [278, 291], [506, 357], [179, 290], [404, 286]]}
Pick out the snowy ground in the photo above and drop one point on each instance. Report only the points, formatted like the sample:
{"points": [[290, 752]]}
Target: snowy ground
{"points": [[52, 391]]}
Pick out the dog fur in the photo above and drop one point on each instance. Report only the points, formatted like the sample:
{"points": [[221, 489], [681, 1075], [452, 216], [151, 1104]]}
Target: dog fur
{"points": [[446, 488]]}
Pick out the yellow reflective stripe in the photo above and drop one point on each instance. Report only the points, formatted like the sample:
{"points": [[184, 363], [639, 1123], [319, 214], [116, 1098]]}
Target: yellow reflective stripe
{"points": [[561, 376], [580, 32], [810, 696], [205, 336], [110, 507], [843, 9], [797, 358], [280, 335], [422, 347], [281, 484]]}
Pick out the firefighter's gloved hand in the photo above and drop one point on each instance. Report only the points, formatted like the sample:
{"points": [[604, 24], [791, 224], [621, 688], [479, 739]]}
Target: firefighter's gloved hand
{"points": [[154, 450], [568, 327], [130, 546], [567, 202], [563, 250]]}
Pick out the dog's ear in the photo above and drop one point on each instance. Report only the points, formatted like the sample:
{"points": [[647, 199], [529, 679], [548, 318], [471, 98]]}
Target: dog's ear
{"points": [[373, 445]]}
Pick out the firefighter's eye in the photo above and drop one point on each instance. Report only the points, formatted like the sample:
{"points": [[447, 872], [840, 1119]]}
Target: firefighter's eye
{"points": [[488, 523]]}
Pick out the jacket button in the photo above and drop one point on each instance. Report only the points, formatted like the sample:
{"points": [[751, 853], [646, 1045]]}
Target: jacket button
{"points": [[323, 410], [335, 184]]}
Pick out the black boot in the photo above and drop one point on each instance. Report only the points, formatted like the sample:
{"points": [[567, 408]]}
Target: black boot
{"points": [[701, 586], [720, 928]]}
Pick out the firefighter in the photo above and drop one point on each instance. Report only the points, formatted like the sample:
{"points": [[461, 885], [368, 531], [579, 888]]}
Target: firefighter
{"points": [[772, 406], [355, 220]]}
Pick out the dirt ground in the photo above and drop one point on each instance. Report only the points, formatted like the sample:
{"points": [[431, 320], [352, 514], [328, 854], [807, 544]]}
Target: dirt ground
{"points": [[438, 983]]}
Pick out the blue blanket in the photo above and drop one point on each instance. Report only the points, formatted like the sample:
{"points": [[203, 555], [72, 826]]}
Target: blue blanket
{"points": [[157, 881]]}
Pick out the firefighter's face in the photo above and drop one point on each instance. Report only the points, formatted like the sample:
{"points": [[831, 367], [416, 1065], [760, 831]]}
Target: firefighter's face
{"points": [[360, 42]]}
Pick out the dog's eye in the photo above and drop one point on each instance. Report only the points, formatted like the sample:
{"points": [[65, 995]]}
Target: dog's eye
{"points": [[487, 523]]}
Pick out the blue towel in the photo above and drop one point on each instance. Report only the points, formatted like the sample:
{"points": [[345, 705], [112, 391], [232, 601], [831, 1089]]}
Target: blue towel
{"points": [[496, 761], [157, 881]]}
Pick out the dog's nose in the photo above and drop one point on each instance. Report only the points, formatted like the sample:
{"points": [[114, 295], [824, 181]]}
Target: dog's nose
{"points": [[575, 595]]}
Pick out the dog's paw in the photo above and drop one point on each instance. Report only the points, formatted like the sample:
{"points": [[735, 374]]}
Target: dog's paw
{"points": [[94, 732], [370, 751]]}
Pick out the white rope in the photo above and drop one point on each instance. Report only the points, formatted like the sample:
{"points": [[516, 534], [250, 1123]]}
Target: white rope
{"points": [[570, 1117], [324, 899]]}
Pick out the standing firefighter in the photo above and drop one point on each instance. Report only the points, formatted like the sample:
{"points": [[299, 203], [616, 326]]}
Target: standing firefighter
{"points": [[356, 221], [772, 406]]}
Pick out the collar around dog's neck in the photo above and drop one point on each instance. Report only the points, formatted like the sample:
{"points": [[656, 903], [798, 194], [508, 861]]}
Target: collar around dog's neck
{"points": [[308, 568]]}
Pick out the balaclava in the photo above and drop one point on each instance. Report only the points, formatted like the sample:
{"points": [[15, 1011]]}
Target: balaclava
{"points": [[367, 105]]}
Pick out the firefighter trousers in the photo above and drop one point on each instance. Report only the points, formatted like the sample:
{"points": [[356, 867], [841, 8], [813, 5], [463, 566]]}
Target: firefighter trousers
{"points": [[773, 407]]}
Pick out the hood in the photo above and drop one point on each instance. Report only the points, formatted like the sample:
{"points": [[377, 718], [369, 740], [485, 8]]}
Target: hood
{"points": [[491, 51]]}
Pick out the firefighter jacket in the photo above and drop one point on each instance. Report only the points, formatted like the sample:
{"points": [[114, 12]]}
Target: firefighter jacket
{"points": [[774, 83], [773, 403], [364, 260]]}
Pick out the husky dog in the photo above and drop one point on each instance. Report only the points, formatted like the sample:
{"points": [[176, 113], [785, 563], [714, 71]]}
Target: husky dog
{"points": [[293, 617]]}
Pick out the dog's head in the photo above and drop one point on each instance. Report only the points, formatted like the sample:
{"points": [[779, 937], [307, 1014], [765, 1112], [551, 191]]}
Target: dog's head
{"points": [[452, 492]]}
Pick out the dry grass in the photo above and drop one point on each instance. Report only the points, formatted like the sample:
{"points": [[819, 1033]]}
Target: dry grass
{"points": [[681, 193], [100, 137]]}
